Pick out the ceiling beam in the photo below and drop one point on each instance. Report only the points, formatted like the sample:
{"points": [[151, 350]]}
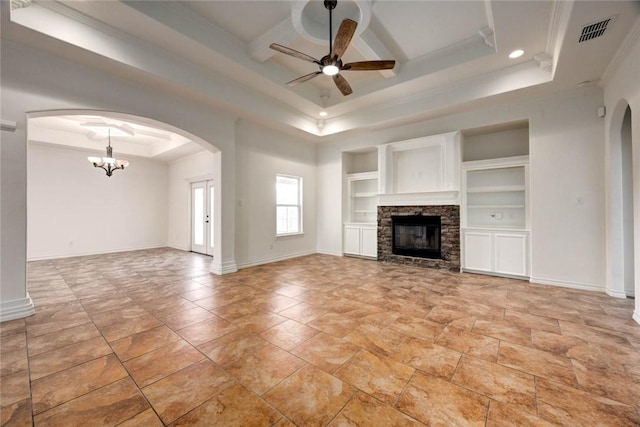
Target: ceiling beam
{"points": [[284, 33]]}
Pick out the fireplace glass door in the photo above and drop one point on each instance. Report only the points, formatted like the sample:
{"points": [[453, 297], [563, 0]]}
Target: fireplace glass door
{"points": [[417, 236]]}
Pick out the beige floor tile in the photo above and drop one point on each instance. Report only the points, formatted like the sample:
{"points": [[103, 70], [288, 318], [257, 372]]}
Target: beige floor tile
{"points": [[17, 414], [497, 382], [108, 405], [505, 415], [437, 402], [63, 338], [503, 330], [432, 359], [202, 332], [66, 385], [379, 376], [236, 406], [14, 387], [470, 343], [289, 334], [143, 342], [376, 339], [326, 351], [565, 405], [264, 368], [236, 345], [364, 410], [63, 358], [537, 362], [175, 395], [310, 396], [157, 364]]}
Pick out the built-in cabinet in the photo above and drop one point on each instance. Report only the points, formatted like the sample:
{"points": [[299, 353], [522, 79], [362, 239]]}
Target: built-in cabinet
{"points": [[360, 233], [361, 240], [495, 216]]}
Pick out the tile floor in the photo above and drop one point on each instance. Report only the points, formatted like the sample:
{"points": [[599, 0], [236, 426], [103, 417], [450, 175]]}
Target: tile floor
{"points": [[151, 338]]}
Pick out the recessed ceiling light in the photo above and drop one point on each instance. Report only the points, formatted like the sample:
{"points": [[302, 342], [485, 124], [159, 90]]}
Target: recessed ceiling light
{"points": [[516, 54], [323, 113]]}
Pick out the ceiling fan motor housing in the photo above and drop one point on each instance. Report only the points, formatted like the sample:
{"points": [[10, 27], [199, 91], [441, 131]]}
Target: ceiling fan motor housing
{"points": [[330, 4]]}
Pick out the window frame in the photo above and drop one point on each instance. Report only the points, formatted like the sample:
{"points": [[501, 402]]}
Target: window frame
{"points": [[299, 205]]}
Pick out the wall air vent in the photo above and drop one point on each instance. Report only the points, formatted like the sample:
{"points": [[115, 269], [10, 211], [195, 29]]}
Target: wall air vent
{"points": [[595, 29]]}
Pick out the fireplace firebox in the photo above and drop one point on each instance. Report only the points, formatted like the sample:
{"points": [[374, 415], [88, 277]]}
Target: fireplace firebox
{"points": [[416, 236]]}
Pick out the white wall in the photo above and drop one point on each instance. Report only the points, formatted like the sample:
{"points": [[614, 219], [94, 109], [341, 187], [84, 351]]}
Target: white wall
{"points": [[75, 209], [260, 155], [567, 192], [181, 173], [566, 146]]}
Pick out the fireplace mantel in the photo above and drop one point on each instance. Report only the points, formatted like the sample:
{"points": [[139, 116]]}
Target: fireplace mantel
{"points": [[426, 198]]}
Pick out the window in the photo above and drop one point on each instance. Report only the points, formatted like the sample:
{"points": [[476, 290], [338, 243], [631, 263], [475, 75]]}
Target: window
{"points": [[288, 205]]}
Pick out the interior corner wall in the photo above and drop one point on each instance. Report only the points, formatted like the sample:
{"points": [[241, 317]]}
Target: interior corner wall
{"points": [[181, 173], [566, 149], [567, 192], [75, 209], [261, 154]]}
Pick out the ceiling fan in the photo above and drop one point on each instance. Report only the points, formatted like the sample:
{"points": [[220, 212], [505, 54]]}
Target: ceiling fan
{"points": [[331, 64]]}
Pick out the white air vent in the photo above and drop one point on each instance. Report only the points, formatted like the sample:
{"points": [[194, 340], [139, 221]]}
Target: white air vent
{"points": [[595, 29]]}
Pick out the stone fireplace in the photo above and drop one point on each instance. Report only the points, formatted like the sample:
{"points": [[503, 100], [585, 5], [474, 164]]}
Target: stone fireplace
{"points": [[420, 236]]}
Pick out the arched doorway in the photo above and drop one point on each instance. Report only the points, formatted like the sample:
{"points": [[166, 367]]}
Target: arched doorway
{"points": [[628, 231], [623, 230], [162, 141]]}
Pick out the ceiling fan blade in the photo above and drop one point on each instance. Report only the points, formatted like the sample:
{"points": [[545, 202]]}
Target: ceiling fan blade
{"points": [[303, 78], [293, 52], [343, 38], [342, 84], [369, 65]]}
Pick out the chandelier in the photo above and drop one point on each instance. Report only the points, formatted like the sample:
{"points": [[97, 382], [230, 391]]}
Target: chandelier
{"points": [[108, 163]]}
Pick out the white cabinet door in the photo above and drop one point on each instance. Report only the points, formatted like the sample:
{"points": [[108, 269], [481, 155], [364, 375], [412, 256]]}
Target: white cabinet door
{"points": [[351, 240], [511, 254], [369, 242], [478, 251]]}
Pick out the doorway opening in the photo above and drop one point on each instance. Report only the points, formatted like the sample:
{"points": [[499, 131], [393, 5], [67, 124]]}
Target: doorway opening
{"points": [[628, 231], [202, 217]]}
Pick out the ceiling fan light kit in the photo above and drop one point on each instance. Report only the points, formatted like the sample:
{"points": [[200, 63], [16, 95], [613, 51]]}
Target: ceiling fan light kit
{"points": [[331, 64]]}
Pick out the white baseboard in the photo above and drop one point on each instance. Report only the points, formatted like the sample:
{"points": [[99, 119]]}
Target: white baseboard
{"points": [[616, 293], [16, 309], [565, 284], [186, 249], [274, 259], [329, 253], [77, 254], [220, 269], [636, 316]]}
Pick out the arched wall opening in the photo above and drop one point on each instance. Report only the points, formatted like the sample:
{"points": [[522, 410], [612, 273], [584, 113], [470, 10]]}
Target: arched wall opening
{"points": [[98, 176], [623, 229], [628, 229]]}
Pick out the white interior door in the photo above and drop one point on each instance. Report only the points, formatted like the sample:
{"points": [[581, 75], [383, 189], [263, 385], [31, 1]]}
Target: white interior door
{"points": [[202, 197]]}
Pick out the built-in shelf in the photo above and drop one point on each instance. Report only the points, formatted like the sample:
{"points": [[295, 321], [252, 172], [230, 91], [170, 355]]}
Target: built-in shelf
{"points": [[496, 206], [495, 193], [363, 197], [496, 189]]}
